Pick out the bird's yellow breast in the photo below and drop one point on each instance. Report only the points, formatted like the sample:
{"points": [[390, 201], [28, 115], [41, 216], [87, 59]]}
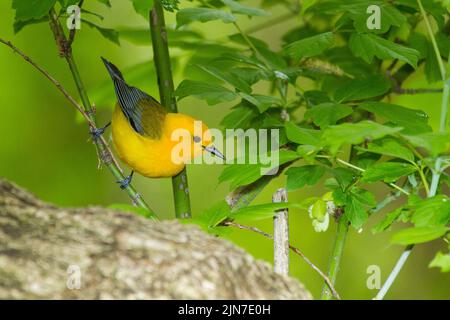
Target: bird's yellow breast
{"points": [[149, 157], [153, 157]]}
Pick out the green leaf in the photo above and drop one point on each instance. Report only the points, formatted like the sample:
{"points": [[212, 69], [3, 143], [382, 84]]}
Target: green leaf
{"points": [[310, 47], [210, 92], [239, 8], [356, 10], [390, 147], [387, 171], [213, 216], [355, 212], [32, 9], [367, 46], [188, 15], [244, 174], [143, 7], [301, 135], [19, 25], [386, 223], [170, 5], [414, 121], [131, 209], [298, 177], [239, 117], [262, 102], [441, 261], [109, 34], [260, 211], [418, 235], [434, 142], [226, 77], [354, 133], [431, 211], [362, 88], [326, 114]]}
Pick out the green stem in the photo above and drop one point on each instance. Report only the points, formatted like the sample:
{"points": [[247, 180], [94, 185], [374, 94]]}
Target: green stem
{"points": [[166, 91], [101, 145], [335, 260]]}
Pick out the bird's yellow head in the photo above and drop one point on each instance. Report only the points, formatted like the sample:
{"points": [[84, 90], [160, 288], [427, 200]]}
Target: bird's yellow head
{"points": [[189, 137]]}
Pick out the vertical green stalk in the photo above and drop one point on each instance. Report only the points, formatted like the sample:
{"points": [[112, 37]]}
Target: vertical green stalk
{"points": [[166, 91], [335, 260], [102, 149]]}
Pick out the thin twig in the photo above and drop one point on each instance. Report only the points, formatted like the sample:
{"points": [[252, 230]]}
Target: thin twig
{"points": [[294, 249]]}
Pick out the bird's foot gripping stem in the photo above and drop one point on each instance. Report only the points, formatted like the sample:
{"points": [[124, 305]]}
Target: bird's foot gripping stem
{"points": [[123, 184], [97, 132]]}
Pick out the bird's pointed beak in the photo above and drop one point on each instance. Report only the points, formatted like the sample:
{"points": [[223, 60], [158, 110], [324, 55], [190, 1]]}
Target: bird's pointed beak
{"points": [[214, 151]]}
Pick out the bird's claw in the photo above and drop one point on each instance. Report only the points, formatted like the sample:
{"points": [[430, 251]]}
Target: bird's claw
{"points": [[123, 184], [97, 132]]}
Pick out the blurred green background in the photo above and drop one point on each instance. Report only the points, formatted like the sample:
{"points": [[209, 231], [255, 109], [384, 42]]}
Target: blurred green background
{"points": [[45, 148]]}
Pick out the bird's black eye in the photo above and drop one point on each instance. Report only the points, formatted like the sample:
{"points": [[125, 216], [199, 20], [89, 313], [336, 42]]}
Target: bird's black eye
{"points": [[197, 139]]}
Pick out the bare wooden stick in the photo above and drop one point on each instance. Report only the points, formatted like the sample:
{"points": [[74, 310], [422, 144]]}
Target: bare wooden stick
{"points": [[281, 235]]}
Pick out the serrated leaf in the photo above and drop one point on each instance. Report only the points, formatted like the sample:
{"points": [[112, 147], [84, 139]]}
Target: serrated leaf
{"points": [[239, 117], [326, 114], [226, 77], [19, 25], [298, 177], [310, 47], [367, 46], [386, 223], [414, 121], [210, 92], [109, 34], [355, 212], [213, 216], [301, 135], [237, 7], [431, 211], [392, 148], [434, 142], [441, 261], [387, 172], [362, 88], [188, 15], [418, 235], [262, 102], [260, 211], [244, 174], [31, 9], [354, 133]]}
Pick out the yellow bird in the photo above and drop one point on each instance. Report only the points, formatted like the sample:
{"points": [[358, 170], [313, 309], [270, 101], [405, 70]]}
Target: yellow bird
{"points": [[142, 132]]}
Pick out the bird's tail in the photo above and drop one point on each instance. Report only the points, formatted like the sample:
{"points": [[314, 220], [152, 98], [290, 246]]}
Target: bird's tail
{"points": [[113, 70]]}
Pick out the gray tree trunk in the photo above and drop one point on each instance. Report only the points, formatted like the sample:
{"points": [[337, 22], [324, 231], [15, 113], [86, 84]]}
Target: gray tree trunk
{"points": [[97, 253]]}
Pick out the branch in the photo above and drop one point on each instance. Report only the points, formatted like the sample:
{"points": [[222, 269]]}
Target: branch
{"points": [[166, 91], [294, 249], [106, 155]]}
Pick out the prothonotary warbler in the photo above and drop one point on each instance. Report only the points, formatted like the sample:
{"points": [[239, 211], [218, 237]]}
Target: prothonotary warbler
{"points": [[142, 132]]}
